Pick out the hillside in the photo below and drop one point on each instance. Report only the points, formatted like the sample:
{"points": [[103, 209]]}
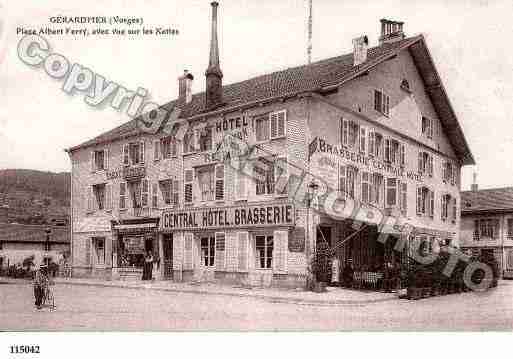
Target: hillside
{"points": [[34, 195]]}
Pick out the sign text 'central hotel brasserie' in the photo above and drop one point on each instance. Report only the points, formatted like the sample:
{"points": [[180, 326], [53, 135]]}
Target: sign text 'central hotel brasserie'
{"points": [[229, 217]]}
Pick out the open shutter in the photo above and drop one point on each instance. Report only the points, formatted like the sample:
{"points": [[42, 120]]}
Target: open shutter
{"points": [[363, 139], [421, 162], [174, 147], [243, 251], [93, 164], [219, 177], [402, 156], [371, 142], [281, 176], [122, 195], [454, 210], [431, 204], [188, 183], [145, 193], [220, 256], [280, 251], [387, 149], [156, 150], [106, 158], [90, 199], [419, 201], [345, 132], [126, 154], [430, 165], [188, 261], [155, 195], [453, 174], [142, 153], [108, 197], [88, 252], [108, 252], [342, 177]]}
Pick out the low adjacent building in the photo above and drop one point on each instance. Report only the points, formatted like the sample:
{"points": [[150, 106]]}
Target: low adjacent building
{"points": [[487, 225]]}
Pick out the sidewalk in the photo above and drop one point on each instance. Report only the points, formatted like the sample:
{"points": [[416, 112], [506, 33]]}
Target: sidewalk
{"points": [[333, 297]]}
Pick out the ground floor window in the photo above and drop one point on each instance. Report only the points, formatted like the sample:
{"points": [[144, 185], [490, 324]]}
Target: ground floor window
{"points": [[99, 248], [264, 247], [208, 248]]}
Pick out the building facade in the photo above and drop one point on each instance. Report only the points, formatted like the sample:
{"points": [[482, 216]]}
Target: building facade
{"points": [[238, 190], [487, 225]]}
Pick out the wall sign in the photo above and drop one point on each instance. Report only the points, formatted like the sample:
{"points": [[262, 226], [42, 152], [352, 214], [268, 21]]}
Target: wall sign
{"points": [[280, 214], [321, 146], [297, 240]]}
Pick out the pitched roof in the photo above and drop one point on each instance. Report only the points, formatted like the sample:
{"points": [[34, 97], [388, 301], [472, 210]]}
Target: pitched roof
{"points": [[32, 233], [313, 77], [486, 200]]}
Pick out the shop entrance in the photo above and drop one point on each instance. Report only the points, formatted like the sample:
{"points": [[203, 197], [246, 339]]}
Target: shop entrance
{"points": [[167, 243], [207, 259], [133, 249]]}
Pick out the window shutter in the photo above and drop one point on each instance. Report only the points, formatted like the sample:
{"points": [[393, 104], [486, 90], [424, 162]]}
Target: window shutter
{"points": [[391, 189], [93, 163], [145, 193], [345, 132], [421, 162], [363, 139], [122, 195], [274, 125], [281, 175], [220, 256], [387, 149], [174, 147], [282, 123], [88, 252], [377, 100], [442, 207], [431, 204], [175, 190], [243, 251], [106, 158], [108, 252], [155, 195], [126, 154], [419, 201], [188, 260], [454, 209], [280, 251], [402, 161], [108, 197], [219, 175], [453, 175], [90, 204], [386, 101], [156, 150], [371, 142], [430, 165], [240, 188], [404, 197], [188, 183], [342, 176], [142, 153]]}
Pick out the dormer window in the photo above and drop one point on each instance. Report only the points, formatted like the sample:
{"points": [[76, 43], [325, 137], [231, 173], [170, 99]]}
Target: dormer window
{"points": [[205, 139], [382, 102], [427, 127]]}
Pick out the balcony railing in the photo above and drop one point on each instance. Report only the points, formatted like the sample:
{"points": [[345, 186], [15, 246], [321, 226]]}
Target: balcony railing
{"points": [[134, 173]]}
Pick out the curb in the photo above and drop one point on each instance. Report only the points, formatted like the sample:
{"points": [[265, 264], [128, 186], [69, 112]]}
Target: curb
{"points": [[268, 298]]}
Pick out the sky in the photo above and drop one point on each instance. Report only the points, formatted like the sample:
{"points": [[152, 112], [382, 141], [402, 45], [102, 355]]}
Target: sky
{"points": [[469, 41]]}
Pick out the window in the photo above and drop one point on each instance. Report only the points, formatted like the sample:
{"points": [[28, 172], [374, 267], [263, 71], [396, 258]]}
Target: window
{"points": [[206, 183], [165, 189], [155, 195], [377, 189], [366, 187], [344, 131], [135, 192], [375, 144], [271, 126], [264, 248], [425, 163], [354, 130], [99, 160], [205, 139], [394, 151], [133, 153], [168, 147], [99, 196], [347, 181], [208, 251], [122, 195], [99, 246], [510, 228], [188, 183], [403, 198], [425, 201], [264, 176], [381, 102], [391, 190], [145, 193], [454, 210], [427, 127], [189, 142], [446, 202], [486, 228], [175, 190]]}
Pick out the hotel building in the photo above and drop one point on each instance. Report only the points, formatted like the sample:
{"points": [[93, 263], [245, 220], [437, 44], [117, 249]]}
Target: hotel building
{"points": [[375, 125]]}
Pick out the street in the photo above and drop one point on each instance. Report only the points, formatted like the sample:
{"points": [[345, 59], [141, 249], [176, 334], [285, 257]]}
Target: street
{"points": [[88, 308]]}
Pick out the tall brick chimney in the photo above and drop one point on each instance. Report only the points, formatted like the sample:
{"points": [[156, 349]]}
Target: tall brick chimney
{"points": [[214, 75]]}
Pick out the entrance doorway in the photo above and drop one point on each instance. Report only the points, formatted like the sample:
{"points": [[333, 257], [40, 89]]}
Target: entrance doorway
{"points": [[167, 243], [207, 260]]}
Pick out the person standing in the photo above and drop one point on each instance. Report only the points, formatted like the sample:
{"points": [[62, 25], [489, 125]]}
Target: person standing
{"points": [[40, 284], [148, 266]]}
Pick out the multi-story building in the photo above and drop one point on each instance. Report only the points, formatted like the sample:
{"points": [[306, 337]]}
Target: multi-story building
{"points": [[487, 225], [375, 125]]}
